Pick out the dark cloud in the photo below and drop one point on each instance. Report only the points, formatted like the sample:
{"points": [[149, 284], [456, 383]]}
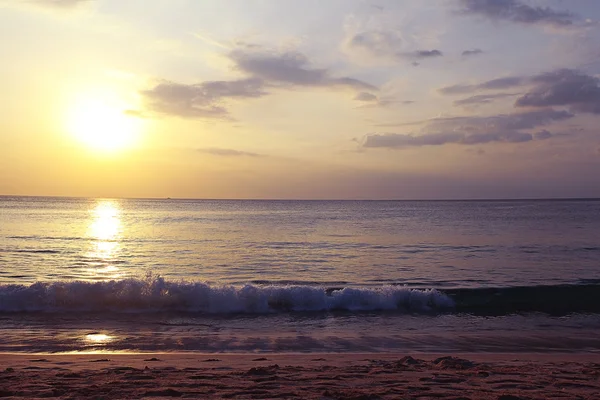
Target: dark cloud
{"points": [[564, 87], [494, 84], [541, 135], [228, 152], [482, 99], [200, 100], [473, 52], [502, 83], [395, 140], [291, 68], [419, 54], [517, 11], [507, 128]]}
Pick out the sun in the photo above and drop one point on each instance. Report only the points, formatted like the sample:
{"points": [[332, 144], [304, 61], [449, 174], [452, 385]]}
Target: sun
{"points": [[103, 126]]}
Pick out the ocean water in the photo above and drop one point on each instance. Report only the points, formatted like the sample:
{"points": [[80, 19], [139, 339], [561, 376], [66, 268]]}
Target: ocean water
{"points": [[298, 276]]}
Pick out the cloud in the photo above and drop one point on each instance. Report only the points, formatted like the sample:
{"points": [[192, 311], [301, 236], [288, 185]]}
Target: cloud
{"points": [[504, 128], [264, 70], [201, 100], [517, 11], [379, 43], [395, 140], [291, 68], [542, 135], [482, 99], [385, 45], [366, 97], [565, 87], [494, 84], [370, 100], [228, 152], [420, 54], [515, 121], [473, 52]]}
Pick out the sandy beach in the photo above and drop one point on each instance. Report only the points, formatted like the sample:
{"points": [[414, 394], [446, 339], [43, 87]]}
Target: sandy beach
{"points": [[305, 376]]}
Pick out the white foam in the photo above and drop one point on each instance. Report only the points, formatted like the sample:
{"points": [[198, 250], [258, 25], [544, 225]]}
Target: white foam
{"points": [[157, 294]]}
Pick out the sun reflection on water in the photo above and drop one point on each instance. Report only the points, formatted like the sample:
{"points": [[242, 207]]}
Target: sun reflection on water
{"points": [[105, 230], [106, 224]]}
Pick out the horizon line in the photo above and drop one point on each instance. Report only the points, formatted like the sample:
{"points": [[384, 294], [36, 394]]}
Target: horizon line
{"points": [[302, 199]]}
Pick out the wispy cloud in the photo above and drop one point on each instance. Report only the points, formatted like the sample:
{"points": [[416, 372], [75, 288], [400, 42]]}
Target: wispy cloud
{"points": [[291, 68], [563, 87], [517, 11], [202, 100], [420, 54], [266, 73], [504, 128], [472, 52], [482, 99], [208, 40], [386, 45], [215, 151], [366, 97], [380, 43], [494, 84]]}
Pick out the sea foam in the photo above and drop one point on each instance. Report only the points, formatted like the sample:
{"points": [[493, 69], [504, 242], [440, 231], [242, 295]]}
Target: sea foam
{"points": [[159, 295]]}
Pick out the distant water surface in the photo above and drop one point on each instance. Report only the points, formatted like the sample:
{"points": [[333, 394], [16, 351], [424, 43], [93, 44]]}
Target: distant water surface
{"points": [[435, 244]]}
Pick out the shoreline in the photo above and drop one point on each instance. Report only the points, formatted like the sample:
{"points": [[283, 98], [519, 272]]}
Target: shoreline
{"points": [[105, 375]]}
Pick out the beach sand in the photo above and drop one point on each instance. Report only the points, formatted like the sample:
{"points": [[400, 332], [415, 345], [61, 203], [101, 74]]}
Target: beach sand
{"points": [[303, 376]]}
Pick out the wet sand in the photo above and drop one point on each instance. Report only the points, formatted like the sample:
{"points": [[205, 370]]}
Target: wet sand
{"points": [[302, 376]]}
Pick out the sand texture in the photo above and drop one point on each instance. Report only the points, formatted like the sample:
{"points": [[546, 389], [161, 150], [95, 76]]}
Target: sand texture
{"points": [[304, 376]]}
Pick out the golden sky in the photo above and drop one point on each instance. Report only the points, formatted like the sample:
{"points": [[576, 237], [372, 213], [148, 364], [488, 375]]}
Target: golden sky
{"points": [[284, 99]]}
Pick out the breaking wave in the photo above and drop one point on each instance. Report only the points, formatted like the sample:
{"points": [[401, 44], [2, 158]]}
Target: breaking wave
{"points": [[155, 294], [159, 295]]}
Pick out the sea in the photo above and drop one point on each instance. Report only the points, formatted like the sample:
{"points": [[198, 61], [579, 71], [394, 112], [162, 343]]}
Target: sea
{"points": [[263, 276]]}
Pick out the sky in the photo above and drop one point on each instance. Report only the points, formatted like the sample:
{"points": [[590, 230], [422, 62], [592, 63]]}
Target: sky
{"points": [[278, 99]]}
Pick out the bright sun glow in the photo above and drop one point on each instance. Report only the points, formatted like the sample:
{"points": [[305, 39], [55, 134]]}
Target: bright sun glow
{"points": [[103, 126], [98, 338]]}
